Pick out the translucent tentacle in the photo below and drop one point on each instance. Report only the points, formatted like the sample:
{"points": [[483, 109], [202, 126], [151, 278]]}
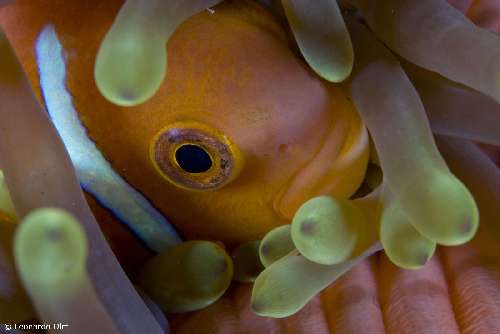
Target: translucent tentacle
{"points": [[276, 244], [50, 249], [438, 37], [472, 270], [402, 243], [132, 60], [288, 284], [436, 203], [39, 173], [322, 37], [325, 230], [187, 277], [456, 110]]}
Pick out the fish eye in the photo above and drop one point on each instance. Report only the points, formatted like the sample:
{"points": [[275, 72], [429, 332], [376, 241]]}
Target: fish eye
{"points": [[195, 156]]}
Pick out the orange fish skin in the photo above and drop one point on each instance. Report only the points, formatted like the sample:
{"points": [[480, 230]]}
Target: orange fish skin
{"points": [[231, 71]]}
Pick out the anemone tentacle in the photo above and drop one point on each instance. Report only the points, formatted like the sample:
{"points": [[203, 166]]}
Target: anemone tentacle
{"points": [[140, 31]]}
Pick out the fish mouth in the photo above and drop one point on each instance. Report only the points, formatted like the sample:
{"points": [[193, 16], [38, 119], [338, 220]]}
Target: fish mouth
{"points": [[337, 169]]}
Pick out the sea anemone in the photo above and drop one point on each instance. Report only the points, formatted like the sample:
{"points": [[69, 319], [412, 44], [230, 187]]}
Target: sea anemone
{"points": [[426, 83]]}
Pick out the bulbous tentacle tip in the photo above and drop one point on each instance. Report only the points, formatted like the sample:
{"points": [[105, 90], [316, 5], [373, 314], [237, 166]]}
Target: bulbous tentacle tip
{"points": [[412, 259], [132, 60], [282, 288], [449, 215], [326, 230], [403, 244], [50, 248], [50, 251], [187, 277], [271, 306], [322, 37], [276, 244], [266, 308], [132, 80]]}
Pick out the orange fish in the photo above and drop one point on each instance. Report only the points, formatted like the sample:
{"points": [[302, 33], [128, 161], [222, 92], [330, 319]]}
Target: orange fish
{"points": [[270, 134]]}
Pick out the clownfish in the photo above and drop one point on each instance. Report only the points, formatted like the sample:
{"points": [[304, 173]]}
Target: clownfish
{"points": [[240, 134]]}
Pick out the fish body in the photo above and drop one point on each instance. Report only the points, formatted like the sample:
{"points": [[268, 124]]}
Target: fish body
{"points": [[268, 132]]}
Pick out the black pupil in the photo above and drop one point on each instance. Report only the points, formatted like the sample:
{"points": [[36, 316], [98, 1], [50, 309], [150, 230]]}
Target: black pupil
{"points": [[193, 159]]}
